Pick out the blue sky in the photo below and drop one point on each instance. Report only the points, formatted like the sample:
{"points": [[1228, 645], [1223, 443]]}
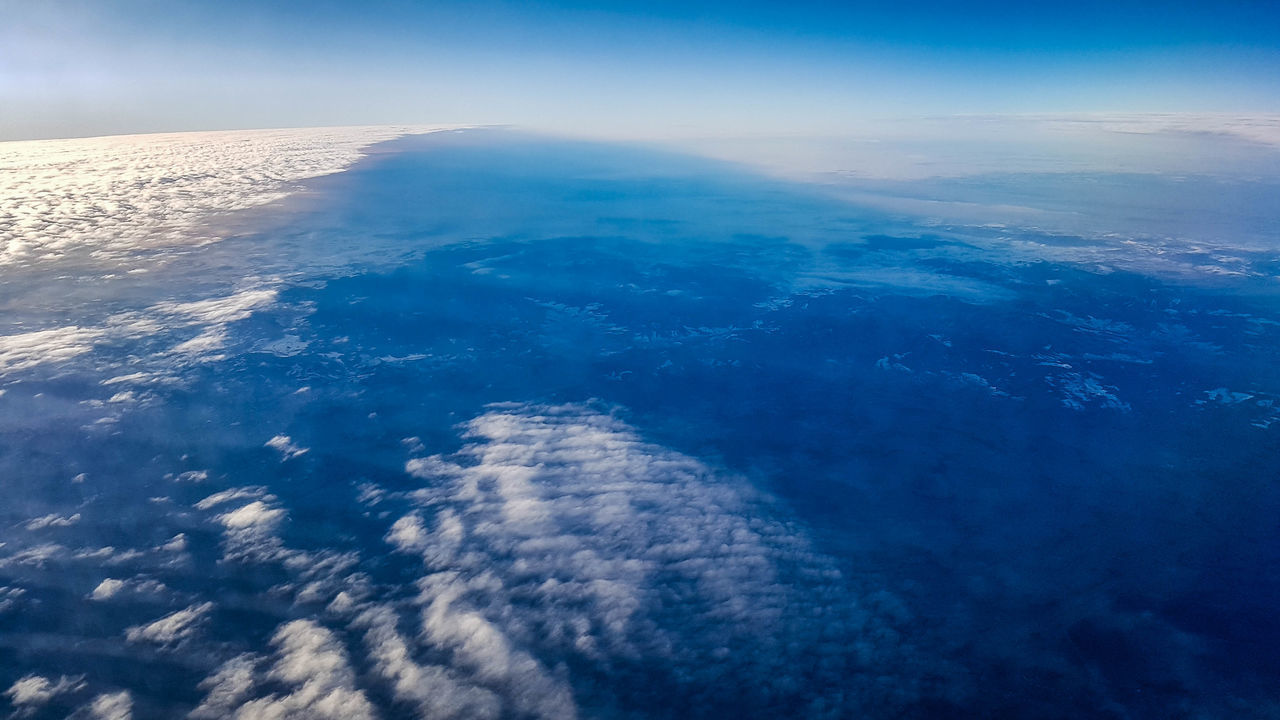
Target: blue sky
{"points": [[79, 67]]}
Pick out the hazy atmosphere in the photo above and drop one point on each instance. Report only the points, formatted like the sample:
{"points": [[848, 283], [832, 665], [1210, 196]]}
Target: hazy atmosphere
{"points": [[623, 69], [427, 361]]}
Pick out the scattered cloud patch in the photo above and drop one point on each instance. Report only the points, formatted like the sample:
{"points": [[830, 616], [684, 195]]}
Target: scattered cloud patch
{"points": [[438, 692], [106, 589], [9, 597], [286, 447], [1081, 390], [558, 532], [56, 345], [231, 495], [309, 660], [175, 544], [35, 556], [32, 691], [112, 587], [192, 476], [219, 311], [52, 520], [172, 629], [257, 515], [112, 706]]}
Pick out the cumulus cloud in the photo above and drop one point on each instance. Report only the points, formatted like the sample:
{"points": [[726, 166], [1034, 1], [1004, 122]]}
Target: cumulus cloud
{"points": [[559, 533], [408, 533], [33, 691], [114, 195], [112, 706], [55, 345], [249, 532], [438, 692], [111, 587], [228, 688], [173, 628], [566, 560], [106, 589], [257, 516], [309, 661], [286, 447], [175, 544], [210, 318], [35, 556]]}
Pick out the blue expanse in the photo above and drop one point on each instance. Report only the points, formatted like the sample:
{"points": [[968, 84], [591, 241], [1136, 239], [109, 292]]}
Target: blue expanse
{"points": [[628, 69], [546, 428]]}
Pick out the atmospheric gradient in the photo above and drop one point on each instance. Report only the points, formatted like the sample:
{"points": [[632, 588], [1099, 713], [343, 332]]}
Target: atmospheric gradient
{"points": [[474, 423], [571, 361]]}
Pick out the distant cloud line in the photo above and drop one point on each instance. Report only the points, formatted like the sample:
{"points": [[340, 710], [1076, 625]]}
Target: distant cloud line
{"points": [[112, 195]]}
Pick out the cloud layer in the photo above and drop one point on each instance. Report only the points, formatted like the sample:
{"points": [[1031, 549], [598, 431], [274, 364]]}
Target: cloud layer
{"points": [[566, 568], [559, 539], [111, 195]]}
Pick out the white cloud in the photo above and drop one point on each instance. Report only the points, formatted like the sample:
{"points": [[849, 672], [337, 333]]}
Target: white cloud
{"points": [[286, 447], [35, 556], [175, 544], [9, 597], [249, 532], [250, 535], [56, 345], [557, 538], [110, 197], [172, 628], [111, 587], [115, 195], [559, 532], [226, 496], [112, 706], [408, 533], [227, 688], [107, 555], [310, 661], [205, 343], [106, 589], [256, 516], [220, 310], [1262, 129], [32, 691], [52, 520], [210, 316], [439, 693]]}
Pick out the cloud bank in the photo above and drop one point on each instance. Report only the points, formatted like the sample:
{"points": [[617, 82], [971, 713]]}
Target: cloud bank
{"points": [[111, 195], [558, 538], [565, 568]]}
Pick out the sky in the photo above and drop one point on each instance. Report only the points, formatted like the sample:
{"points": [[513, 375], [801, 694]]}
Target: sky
{"points": [[82, 67]]}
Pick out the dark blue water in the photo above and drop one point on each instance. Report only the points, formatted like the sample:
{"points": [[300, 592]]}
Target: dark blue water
{"points": [[971, 484]]}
